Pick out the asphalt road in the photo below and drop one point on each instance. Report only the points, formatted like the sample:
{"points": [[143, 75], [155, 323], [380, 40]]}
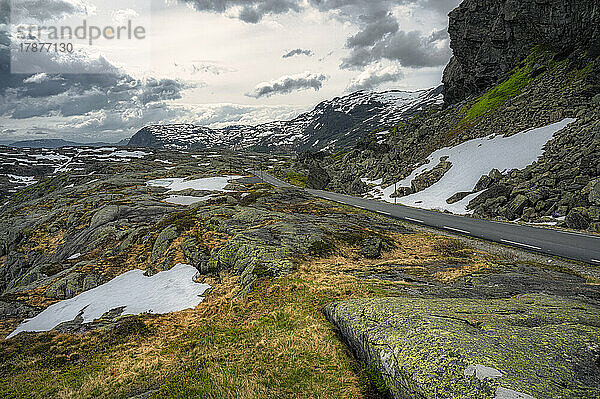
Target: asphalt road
{"points": [[581, 247]]}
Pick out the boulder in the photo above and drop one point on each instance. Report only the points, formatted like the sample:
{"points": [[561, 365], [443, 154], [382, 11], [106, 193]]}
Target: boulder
{"points": [[457, 197], [593, 191], [515, 208], [430, 348], [576, 219], [317, 179], [429, 178], [483, 183], [495, 191], [163, 241], [371, 247], [104, 215], [73, 284], [358, 186]]}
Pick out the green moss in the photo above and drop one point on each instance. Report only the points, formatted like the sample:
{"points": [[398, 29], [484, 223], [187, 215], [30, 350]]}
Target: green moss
{"points": [[499, 94], [519, 78], [321, 248], [339, 155], [261, 270], [182, 220], [297, 179], [373, 380], [425, 345]]}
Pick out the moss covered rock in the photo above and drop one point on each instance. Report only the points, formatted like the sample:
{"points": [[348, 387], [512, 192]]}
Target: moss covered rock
{"points": [[537, 345]]}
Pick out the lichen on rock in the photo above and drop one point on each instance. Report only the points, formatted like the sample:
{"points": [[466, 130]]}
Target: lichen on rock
{"points": [[449, 348]]}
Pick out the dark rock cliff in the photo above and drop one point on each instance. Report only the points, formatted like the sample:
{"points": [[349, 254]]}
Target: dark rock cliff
{"points": [[489, 37]]}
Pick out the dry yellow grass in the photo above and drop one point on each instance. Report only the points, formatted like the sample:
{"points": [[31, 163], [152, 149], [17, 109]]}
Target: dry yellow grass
{"points": [[44, 242], [271, 343]]}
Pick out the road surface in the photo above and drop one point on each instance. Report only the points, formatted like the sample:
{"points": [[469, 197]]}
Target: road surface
{"points": [[576, 246]]}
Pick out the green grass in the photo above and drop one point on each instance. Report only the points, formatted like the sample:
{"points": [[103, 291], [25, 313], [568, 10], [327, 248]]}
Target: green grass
{"points": [[372, 378], [272, 343], [519, 78], [339, 155], [297, 179]]}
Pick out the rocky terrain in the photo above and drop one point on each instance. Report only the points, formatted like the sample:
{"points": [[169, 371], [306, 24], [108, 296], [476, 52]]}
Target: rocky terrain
{"points": [[559, 188], [274, 259], [490, 37], [294, 296], [333, 124], [508, 75]]}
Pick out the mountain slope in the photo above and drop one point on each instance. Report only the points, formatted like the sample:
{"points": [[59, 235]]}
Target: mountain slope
{"points": [[333, 124], [490, 37], [560, 187]]}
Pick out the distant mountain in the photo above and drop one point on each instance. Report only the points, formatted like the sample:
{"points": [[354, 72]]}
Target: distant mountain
{"points": [[58, 143], [332, 125]]}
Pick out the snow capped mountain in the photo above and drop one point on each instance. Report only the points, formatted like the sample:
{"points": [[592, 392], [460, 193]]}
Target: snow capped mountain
{"points": [[332, 125]]}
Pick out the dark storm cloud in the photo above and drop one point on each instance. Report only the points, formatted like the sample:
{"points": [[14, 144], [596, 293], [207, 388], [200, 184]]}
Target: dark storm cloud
{"points": [[367, 7], [25, 96], [410, 49], [71, 95], [252, 11], [380, 36], [374, 32], [289, 84], [298, 51]]}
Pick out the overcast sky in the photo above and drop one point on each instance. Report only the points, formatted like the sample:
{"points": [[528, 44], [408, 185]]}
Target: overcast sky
{"points": [[211, 62]]}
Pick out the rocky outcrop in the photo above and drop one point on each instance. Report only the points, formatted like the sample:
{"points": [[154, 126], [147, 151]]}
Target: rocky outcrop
{"points": [[490, 37], [429, 178], [563, 183], [467, 348]]}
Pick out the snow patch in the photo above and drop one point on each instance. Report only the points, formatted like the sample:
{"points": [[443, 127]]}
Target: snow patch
{"points": [[205, 184], [168, 291], [125, 154], [26, 180], [471, 160]]}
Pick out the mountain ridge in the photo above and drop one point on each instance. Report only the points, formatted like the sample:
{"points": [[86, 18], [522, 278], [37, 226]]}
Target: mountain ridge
{"points": [[333, 124], [58, 143]]}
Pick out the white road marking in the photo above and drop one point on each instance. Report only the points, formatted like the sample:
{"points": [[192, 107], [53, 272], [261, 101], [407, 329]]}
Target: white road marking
{"points": [[414, 220], [595, 260], [386, 213], [521, 244], [459, 230]]}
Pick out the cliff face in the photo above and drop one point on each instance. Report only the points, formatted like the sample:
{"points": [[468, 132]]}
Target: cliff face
{"points": [[489, 37]]}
